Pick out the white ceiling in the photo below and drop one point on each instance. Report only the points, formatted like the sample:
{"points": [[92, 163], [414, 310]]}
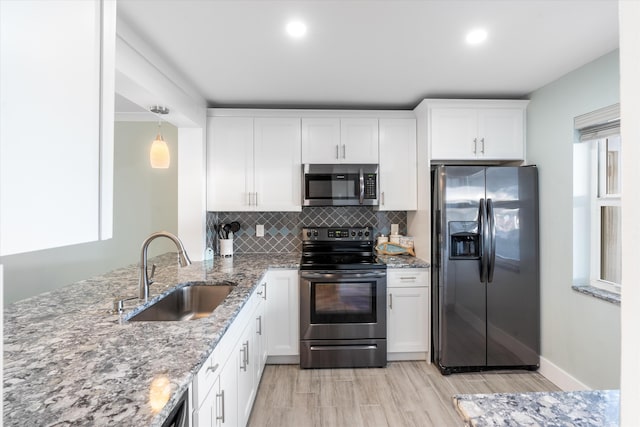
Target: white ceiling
{"points": [[371, 54]]}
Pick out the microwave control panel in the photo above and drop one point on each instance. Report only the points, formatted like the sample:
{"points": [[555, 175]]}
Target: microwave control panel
{"points": [[370, 190]]}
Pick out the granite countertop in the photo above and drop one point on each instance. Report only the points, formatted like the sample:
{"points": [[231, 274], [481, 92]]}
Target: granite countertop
{"points": [[69, 361], [403, 261], [593, 408]]}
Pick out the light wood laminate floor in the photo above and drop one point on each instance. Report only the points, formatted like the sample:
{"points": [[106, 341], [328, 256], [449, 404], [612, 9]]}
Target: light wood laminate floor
{"points": [[402, 394]]}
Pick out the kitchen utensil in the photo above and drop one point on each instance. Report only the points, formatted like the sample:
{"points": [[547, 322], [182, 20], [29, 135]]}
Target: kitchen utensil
{"points": [[235, 226], [226, 229]]}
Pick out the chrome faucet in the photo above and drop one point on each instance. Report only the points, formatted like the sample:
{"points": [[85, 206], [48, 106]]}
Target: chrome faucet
{"points": [[183, 260]]}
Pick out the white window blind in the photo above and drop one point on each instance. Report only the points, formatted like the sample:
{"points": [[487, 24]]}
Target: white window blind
{"points": [[598, 124]]}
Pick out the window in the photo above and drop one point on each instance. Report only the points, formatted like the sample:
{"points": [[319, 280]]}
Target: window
{"points": [[597, 200], [606, 219]]}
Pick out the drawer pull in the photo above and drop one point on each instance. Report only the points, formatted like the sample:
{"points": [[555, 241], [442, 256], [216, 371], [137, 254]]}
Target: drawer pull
{"points": [[213, 368]]}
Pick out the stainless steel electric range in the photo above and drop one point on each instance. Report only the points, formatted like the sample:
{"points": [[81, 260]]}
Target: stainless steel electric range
{"points": [[343, 292]]}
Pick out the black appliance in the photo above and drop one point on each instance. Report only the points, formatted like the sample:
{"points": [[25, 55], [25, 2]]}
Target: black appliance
{"points": [[485, 268], [340, 185], [343, 292], [179, 416]]}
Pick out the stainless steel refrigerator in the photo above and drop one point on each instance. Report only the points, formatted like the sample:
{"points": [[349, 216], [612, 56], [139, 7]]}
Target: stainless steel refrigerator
{"points": [[485, 268]]}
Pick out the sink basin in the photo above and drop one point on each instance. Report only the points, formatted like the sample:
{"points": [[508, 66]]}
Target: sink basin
{"points": [[186, 303]]}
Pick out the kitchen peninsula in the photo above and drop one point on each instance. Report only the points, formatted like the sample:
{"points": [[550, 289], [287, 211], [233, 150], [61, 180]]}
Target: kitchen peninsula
{"points": [[69, 359]]}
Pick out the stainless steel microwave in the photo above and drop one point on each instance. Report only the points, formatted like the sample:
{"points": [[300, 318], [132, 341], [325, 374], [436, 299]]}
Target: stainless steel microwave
{"points": [[339, 185]]}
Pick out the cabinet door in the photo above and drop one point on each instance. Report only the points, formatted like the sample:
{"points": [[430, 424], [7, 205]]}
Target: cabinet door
{"points": [[359, 141], [56, 132], [227, 396], [229, 164], [282, 313], [321, 140], [260, 353], [501, 133], [246, 384], [205, 415], [398, 165], [453, 133], [407, 319], [278, 170]]}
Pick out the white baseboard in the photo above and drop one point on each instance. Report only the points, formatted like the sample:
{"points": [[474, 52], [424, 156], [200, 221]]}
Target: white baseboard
{"points": [[421, 355], [283, 360], [560, 377]]}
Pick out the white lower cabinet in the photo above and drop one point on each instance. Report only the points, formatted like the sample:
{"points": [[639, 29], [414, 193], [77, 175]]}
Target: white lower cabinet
{"points": [[281, 312], [225, 387], [408, 314], [259, 356], [226, 398], [246, 384]]}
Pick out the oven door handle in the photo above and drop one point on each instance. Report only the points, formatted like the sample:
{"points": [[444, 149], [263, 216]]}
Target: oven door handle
{"points": [[342, 274]]}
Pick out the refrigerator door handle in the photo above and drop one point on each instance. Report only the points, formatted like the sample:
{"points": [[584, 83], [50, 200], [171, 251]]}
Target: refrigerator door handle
{"points": [[484, 235], [492, 234]]}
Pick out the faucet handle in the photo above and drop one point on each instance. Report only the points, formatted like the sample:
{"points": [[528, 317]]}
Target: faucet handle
{"points": [[153, 271], [118, 304]]}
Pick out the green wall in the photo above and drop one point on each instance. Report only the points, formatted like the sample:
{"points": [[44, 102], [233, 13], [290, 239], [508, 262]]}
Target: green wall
{"points": [[145, 200], [580, 334]]}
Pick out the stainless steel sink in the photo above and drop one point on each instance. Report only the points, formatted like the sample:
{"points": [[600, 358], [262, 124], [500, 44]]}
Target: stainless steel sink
{"points": [[186, 303]]}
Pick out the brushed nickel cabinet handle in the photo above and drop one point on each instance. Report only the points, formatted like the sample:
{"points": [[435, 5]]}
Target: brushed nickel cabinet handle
{"points": [[221, 400]]}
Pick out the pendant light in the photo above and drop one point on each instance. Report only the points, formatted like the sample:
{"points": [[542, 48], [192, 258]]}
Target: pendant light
{"points": [[159, 154]]}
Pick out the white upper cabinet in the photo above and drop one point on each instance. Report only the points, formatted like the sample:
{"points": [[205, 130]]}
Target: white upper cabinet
{"points": [[278, 171], [229, 163], [339, 140], [253, 164], [320, 140], [398, 165], [477, 130], [57, 82]]}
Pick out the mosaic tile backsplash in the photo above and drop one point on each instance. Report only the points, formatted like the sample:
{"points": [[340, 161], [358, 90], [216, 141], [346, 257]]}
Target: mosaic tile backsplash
{"points": [[282, 230]]}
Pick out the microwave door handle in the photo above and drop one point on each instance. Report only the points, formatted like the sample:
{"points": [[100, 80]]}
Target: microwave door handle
{"points": [[361, 186]]}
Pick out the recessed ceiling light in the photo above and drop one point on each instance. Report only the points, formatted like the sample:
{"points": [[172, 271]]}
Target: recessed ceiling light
{"points": [[476, 36], [296, 29]]}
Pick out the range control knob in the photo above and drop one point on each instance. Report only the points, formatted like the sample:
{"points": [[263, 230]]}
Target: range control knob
{"points": [[315, 233], [308, 233], [360, 233], [353, 233], [366, 233]]}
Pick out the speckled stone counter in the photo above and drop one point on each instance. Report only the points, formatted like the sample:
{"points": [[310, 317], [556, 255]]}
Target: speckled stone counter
{"points": [[403, 261], [69, 361], [577, 408]]}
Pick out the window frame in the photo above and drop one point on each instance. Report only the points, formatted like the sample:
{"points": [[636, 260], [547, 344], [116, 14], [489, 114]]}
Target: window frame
{"points": [[599, 199]]}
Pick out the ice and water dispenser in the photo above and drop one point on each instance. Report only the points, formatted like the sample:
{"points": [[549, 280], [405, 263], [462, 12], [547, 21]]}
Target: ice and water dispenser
{"points": [[465, 240]]}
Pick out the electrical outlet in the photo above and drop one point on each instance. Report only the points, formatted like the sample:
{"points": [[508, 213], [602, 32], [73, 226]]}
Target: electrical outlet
{"points": [[394, 229], [259, 230]]}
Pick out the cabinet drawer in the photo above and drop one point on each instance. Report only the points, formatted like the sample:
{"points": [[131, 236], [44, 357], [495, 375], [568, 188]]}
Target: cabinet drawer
{"points": [[403, 277], [208, 374]]}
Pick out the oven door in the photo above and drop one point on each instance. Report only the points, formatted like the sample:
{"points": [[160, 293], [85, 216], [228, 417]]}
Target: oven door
{"points": [[342, 305]]}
